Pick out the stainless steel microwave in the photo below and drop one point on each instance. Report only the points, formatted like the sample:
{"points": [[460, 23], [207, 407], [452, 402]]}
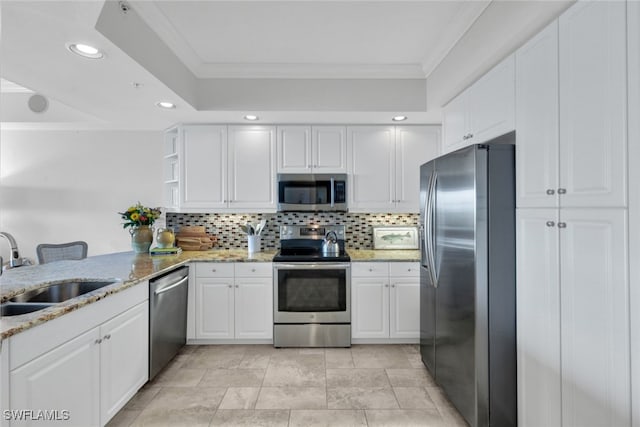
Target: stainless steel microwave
{"points": [[312, 192]]}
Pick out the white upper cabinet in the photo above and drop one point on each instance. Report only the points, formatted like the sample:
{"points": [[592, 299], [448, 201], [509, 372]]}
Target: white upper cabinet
{"points": [[252, 167], [537, 124], [384, 166], [294, 149], [483, 111], [593, 96], [371, 153], [203, 179], [415, 145], [312, 149], [329, 149], [224, 169], [571, 111]]}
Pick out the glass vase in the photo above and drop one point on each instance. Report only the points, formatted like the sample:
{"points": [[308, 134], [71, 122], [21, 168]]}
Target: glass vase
{"points": [[141, 238]]}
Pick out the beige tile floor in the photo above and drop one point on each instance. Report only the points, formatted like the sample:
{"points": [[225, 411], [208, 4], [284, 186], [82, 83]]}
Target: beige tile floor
{"points": [[258, 385]]}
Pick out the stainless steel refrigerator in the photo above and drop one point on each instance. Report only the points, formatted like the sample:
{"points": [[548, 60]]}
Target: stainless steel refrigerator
{"points": [[467, 279]]}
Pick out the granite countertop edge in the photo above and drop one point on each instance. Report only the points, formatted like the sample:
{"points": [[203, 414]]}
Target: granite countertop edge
{"points": [[127, 269]]}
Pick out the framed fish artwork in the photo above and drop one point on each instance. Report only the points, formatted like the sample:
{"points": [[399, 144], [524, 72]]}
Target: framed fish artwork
{"points": [[395, 237]]}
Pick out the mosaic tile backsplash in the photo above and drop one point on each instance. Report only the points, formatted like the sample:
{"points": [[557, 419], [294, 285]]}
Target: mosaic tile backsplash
{"points": [[226, 226]]}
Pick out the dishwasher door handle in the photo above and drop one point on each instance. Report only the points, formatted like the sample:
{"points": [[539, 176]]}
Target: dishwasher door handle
{"points": [[175, 285]]}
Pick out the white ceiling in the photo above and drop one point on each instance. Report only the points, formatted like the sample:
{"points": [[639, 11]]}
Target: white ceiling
{"points": [[288, 61]]}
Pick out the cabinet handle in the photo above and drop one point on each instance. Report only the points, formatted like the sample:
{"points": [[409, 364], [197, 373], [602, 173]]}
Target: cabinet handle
{"points": [[108, 336], [562, 191], [562, 225], [393, 286], [99, 340], [237, 286], [550, 223], [213, 270], [231, 286], [470, 135], [371, 269], [253, 270], [551, 192], [465, 137], [386, 285]]}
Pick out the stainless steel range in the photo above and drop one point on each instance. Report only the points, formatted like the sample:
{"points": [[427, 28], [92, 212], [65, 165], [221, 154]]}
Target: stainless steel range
{"points": [[312, 288]]}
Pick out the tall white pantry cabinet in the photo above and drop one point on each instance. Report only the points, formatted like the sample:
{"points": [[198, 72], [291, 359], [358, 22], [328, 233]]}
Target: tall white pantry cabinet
{"points": [[574, 189]]}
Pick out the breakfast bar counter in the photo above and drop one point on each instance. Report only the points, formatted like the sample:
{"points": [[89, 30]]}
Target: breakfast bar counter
{"points": [[125, 269]]}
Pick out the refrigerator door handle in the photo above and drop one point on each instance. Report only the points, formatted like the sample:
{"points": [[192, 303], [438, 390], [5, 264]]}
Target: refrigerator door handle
{"points": [[432, 239], [428, 227]]}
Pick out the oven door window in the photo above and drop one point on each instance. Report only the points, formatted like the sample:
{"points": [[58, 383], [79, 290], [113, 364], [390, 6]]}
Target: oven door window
{"points": [[312, 290]]}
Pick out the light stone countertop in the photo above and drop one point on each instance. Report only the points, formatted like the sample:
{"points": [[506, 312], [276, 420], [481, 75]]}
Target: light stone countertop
{"points": [[384, 255], [128, 269], [125, 268]]}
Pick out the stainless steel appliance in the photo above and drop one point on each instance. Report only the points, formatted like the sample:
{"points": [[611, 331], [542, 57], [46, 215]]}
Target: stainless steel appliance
{"points": [[467, 280], [167, 317], [312, 192], [312, 289]]}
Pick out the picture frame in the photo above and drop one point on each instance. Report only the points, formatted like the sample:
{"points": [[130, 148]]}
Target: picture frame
{"points": [[395, 237]]}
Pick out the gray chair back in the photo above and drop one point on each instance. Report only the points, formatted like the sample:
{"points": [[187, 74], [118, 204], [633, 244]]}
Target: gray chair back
{"points": [[50, 252]]}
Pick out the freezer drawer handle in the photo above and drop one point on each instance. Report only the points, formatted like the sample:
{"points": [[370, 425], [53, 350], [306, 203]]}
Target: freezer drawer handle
{"points": [[175, 285]]}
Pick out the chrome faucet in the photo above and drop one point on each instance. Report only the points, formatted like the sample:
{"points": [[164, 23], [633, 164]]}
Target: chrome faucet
{"points": [[15, 260]]}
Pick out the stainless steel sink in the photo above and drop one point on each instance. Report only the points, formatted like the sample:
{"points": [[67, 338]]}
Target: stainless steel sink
{"points": [[18, 308], [62, 291]]}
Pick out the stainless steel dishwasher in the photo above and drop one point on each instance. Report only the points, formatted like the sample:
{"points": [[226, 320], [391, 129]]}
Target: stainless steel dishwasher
{"points": [[167, 317]]}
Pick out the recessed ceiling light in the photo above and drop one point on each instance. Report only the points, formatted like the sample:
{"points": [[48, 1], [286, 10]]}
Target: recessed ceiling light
{"points": [[85, 50], [399, 118], [251, 117], [166, 105]]}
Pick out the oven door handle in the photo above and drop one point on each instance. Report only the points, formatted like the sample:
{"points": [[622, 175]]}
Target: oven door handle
{"points": [[308, 265], [333, 193]]}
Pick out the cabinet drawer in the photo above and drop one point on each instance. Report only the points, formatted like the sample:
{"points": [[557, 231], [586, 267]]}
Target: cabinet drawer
{"points": [[369, 269], [253, 269], [404, 269], [214, 269]]}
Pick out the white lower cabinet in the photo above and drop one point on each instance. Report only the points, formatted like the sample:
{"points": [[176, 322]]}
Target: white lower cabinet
{"points": [[66, 379], [573, 318], [124, 361], [385, 300], [234, 301], [88, 379]]}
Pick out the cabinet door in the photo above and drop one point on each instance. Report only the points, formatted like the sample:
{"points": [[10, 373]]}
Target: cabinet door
{"points": [[372, 168], [294, 149], [64, 379], [329, 149], [370, 307], [595, 318], [537, 120], [252, 167], [203, 177], [253, 308], [415, 145], [491, 103], [593, 96], [538, 318], [455, 124], [404, 316], [214, 308], [124, 359]]}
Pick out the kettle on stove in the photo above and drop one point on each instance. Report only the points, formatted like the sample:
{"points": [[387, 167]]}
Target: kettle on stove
{"points": [[330, 245]]}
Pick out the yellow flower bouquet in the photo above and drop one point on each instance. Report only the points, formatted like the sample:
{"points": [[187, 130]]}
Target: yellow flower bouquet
{"points": [[138, 215]]}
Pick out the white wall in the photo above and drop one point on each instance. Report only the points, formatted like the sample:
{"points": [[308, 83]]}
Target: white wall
{"points": [[58, 186]]}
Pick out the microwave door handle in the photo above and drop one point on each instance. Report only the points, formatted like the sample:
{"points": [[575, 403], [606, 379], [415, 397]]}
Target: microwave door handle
{"points": [[333, 195]]}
